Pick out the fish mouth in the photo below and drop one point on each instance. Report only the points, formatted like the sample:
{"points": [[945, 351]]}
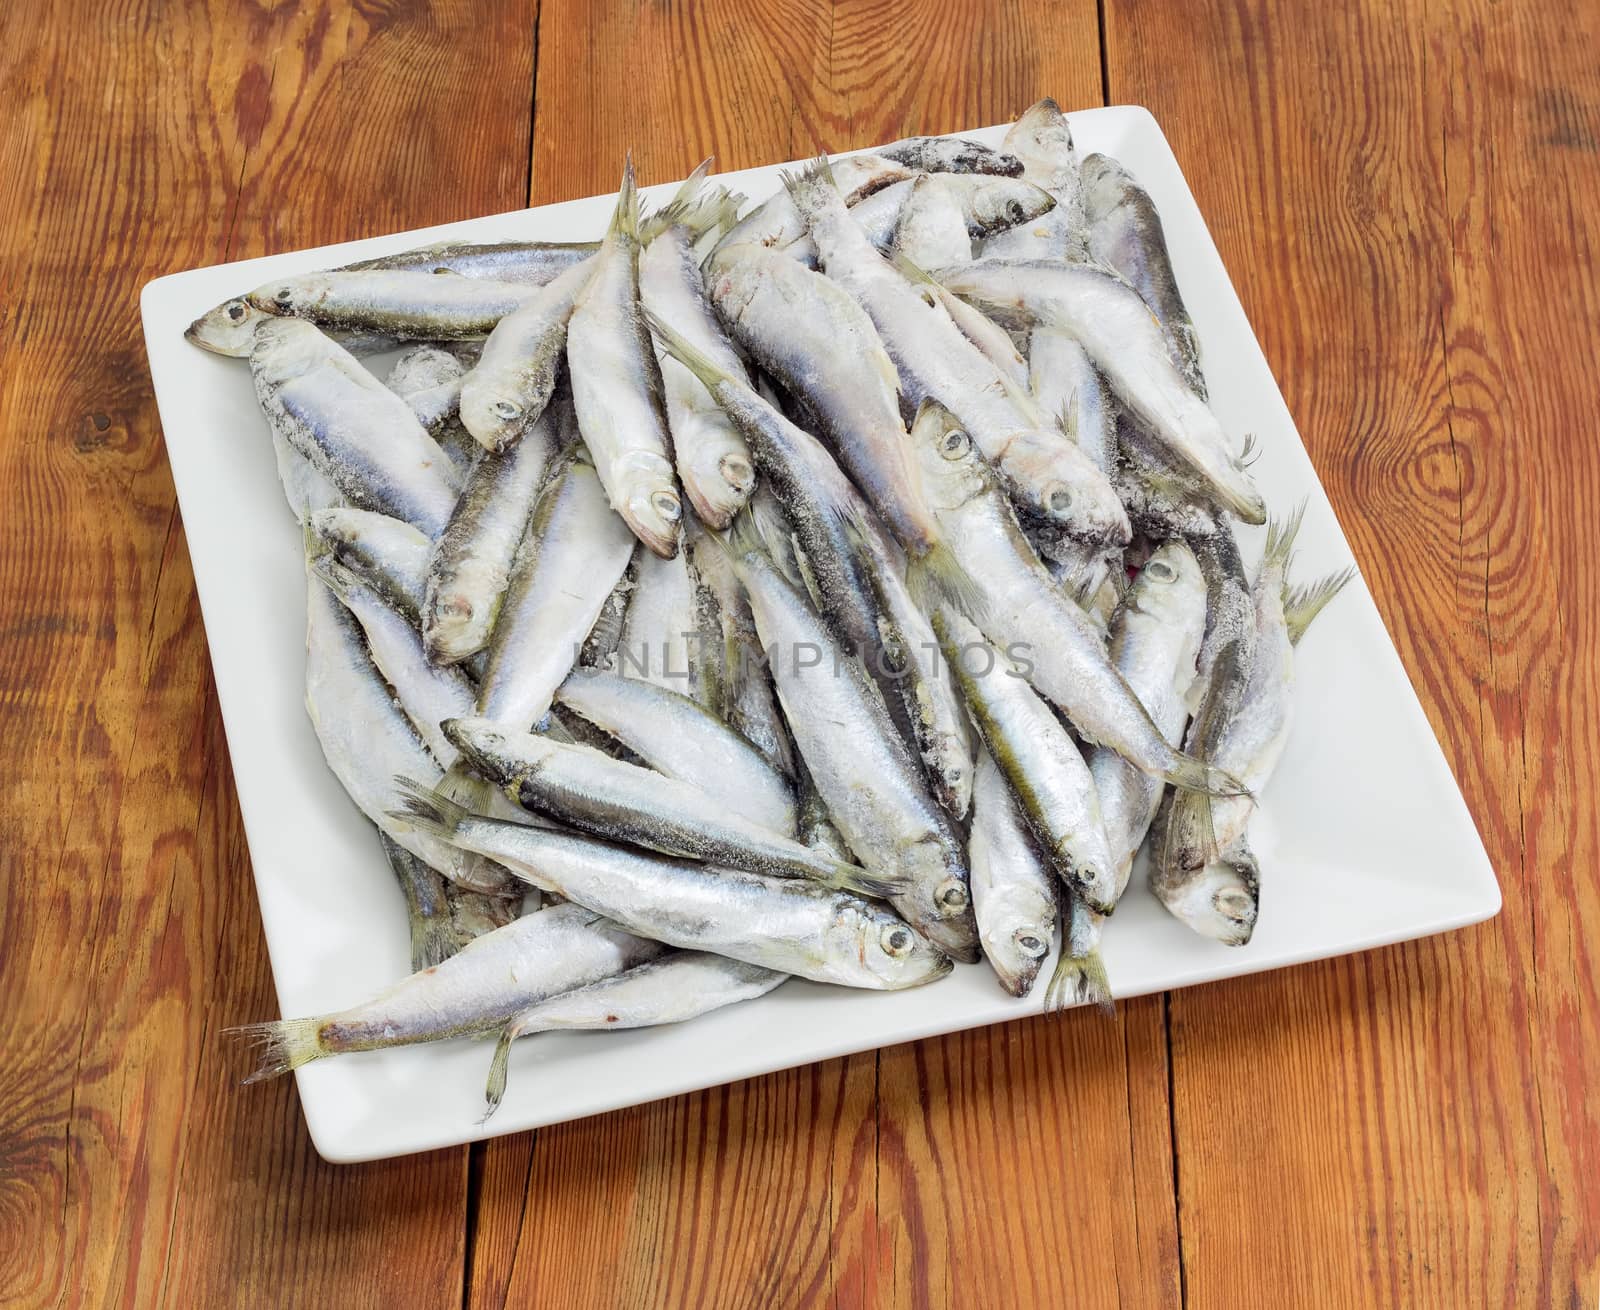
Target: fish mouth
{"points": [[226, 330], [936, 965], [655, 522], [1016, 976], [468, 739]]}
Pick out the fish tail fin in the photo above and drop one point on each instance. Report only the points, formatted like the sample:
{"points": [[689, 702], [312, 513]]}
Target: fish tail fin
{"points": [[499, 1066], [694, 206], [936, 577], [281, 1045], [1189, 838], [707, 370], [434, 940], [778, 538], [725, 215], [714, 214], [1079, 980], [625, 218], [912, 272], [852, 878], [429, 810], [1302, 604], [1280, 538], [1197, 777], [812, 184]]}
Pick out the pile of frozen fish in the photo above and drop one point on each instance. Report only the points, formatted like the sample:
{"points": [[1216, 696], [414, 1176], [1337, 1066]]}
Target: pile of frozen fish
{"points": [[954, 615]]}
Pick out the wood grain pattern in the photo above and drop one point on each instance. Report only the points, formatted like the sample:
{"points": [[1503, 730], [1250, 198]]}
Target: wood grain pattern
{"points": [[1417, 1126], [1407, 199], [151, 137]]}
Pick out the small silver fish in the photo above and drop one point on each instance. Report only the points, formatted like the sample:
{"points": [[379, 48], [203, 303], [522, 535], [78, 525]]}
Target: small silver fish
{"points": [[507, 390], [1198, 837], [616, 386], [1125, 234], [426, 692], [1049, 778], [387, 553], [396, 303], [1022, 611], [357, 433], [711, 457], [943, 154], [790, 925], [935, 359], [572, 554], [365, 736], [683, 740], [1014, 891], [488, 982], [1129, 347], [874, 790], [470, 564], [626, 802]]}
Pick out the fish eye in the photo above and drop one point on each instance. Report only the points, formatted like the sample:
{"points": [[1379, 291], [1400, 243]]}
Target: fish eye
{"points": [[666, 504], [1015, 211], [284, 295], [952, 896], [1160, 570], [237, 310], [955, 445], [1030, 944], [1060, 500], [506, 409], [895, 940]]}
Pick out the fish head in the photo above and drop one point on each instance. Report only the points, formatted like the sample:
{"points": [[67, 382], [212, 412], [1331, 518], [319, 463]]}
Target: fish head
{"points": [[495, 416], [1041, 137], [1063, 486], [1016, 940], [859, 176], [290, 295], [655, 513], [881, 950], [1223, 901], [734, 277], [953, 472], [939, 904], [493, 752], [997, 203], [1170, 589], [1103, 184], [229, 329], [952, 779]]}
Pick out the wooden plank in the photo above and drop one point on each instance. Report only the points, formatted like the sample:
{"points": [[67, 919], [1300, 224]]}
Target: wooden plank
{"points": [[943, 1169], [1409, 211], [760, 83], [148, 137]]}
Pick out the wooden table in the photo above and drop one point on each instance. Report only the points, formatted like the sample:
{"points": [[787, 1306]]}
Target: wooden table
{"points": [[1408, 197]]}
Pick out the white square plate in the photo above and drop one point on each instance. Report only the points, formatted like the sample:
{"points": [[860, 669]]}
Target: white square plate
{"points": [[1363, 836]]}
